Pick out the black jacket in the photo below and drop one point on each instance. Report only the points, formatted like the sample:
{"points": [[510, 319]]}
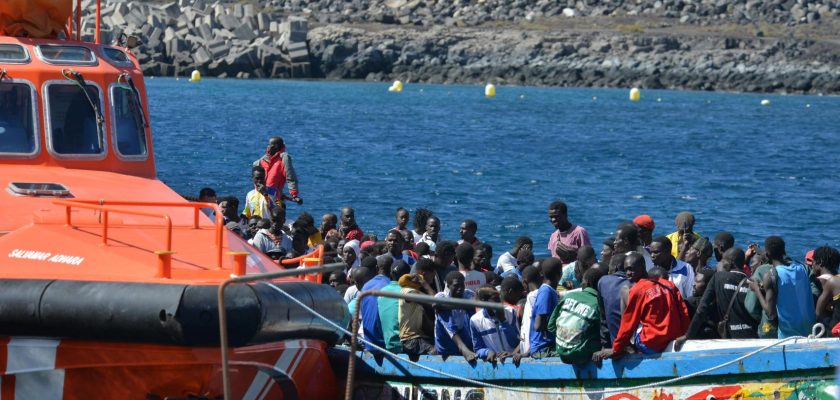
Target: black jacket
{"points": [[716, 300]]}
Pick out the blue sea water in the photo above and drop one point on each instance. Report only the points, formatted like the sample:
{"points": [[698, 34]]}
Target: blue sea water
{"points": [[738, 166]]}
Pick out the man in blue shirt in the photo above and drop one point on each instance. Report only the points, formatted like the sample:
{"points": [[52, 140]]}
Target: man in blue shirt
{"points": [[787, 294], [540, 338], [452, 326], [371, 323], [614, 290], [495, 333]]}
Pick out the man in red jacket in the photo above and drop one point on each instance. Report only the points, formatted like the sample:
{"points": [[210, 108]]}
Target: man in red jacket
{"points": [[655, 313], [279, 170]]}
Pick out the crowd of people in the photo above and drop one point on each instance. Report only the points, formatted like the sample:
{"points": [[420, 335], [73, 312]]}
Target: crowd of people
{"points": [[638, 293]]}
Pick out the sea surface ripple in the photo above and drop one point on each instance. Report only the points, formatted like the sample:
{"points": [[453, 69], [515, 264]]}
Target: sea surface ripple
{"points": [[753, 170]]}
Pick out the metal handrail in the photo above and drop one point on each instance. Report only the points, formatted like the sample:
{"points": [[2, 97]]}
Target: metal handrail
{"points": [[98, 33], [417, 298], [79, 20], [218, 236], [223, 336], [316, 256], [106, 210]]}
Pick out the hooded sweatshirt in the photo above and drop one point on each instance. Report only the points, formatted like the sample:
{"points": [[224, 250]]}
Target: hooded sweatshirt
{"points": [[279, 171]]}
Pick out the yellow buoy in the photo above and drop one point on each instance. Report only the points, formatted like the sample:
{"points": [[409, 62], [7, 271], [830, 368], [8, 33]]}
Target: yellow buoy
{"points": [[392, 89], [635, 94], [195, 76], [765, 102], [490, 90], [398, 86]]}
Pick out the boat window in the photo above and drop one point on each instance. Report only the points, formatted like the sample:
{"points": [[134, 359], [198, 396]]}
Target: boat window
{"points": [[39, 189], [127, 118], [72, 121], [17, 119], [66, 55], [116, 57], [13, 53]]}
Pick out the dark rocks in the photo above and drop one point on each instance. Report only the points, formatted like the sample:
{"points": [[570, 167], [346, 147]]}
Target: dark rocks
{"points": [[572, 59], [438, 41]]}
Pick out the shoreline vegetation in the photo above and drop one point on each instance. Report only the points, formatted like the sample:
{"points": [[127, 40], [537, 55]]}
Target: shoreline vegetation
{"points": [[777, 46]]}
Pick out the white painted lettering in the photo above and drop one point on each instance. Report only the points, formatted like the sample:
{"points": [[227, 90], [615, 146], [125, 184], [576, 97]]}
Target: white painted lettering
{"points": [[46, 256]]}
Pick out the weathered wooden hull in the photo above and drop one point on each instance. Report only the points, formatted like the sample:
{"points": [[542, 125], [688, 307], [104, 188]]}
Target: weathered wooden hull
{"points": [[803, 369]]}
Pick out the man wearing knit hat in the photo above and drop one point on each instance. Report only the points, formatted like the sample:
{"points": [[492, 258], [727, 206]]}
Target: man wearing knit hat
{"points": [[685, 231], [646, 225]]}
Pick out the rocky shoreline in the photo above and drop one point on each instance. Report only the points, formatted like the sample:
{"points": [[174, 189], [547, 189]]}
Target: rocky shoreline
{"points": [[749, 46]]}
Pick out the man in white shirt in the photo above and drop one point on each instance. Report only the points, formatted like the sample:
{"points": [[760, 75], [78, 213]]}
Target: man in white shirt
{"points": [[532, 279], [507, 261], [432, 235], [473, 279], [680, 273]]}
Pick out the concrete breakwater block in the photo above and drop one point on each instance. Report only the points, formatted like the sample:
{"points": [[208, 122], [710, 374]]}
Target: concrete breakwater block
{"points": [[234, 39]]}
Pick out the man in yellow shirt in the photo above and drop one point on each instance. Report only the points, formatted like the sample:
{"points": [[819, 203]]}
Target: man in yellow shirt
{"points": [[685, 232]]}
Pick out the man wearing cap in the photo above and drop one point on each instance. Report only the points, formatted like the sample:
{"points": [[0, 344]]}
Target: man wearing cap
{"points": [[685, 232], [646, 225]]}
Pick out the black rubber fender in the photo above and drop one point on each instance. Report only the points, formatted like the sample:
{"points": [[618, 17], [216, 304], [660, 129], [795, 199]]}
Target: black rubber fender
{"points": [[166, 313]]}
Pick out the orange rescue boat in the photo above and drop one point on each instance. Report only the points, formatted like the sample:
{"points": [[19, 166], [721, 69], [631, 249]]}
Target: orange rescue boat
{"points": [[108, 278]]}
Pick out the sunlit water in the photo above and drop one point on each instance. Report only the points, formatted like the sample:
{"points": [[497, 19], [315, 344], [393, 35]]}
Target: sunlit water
{"points": [[737, 165]]}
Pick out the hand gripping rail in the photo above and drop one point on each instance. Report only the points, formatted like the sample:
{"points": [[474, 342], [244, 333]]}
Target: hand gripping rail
{"points": [[107, 206], [416, 298], [223, 334]]}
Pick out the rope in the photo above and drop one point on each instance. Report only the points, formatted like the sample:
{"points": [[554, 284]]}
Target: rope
{"points": [[533, 391]]}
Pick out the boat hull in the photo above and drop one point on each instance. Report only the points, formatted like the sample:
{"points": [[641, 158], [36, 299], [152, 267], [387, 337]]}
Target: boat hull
{"points": [[802, 370], [42, 368]]}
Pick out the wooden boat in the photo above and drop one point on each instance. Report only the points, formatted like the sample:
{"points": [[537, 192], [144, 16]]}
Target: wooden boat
{"points": [[108, 277], [798, 369]]}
